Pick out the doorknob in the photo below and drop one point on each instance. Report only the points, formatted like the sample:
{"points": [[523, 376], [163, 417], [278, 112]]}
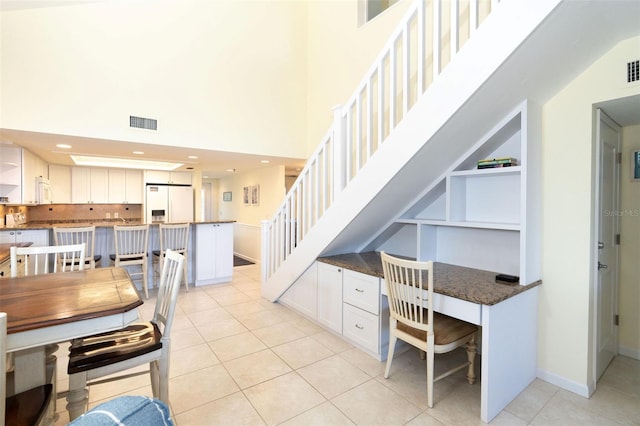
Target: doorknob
{"points": [[602, 266], [600, 245]]}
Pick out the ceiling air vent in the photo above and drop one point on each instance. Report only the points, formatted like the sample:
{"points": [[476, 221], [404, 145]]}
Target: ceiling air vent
{"points": [[633, 71], [143, 123]]}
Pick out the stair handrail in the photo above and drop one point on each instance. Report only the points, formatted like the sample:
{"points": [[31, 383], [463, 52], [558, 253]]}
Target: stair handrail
{"points": [[353, 138]]}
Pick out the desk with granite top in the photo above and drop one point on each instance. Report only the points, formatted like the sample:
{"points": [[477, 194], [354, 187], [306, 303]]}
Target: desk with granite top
{"points": [[506, 313]]}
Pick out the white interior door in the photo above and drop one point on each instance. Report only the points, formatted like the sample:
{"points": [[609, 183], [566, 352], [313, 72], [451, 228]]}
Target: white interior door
{"points": [[608, 136]]}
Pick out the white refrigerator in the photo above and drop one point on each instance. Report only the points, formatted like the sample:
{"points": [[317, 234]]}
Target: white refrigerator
{"points": [[169, 203]]}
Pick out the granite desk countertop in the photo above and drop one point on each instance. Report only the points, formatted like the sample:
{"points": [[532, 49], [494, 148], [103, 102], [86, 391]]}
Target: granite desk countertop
{"points": [[472, 285]]}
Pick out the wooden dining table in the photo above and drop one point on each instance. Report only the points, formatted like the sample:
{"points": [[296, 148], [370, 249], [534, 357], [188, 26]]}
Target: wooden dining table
{"points": [[54, 308]]}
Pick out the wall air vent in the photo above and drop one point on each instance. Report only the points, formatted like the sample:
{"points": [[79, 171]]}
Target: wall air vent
{"points": [[143, 123], [633, 71]]}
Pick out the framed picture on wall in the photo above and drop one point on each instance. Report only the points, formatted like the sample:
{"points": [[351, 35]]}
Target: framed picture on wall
{"points": [[255, 195], [635, 166], [245, 195]]}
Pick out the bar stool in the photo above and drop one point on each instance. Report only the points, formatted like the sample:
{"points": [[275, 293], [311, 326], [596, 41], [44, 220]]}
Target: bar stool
{"points": [[174, 237], [78, 235], [131, 243]]}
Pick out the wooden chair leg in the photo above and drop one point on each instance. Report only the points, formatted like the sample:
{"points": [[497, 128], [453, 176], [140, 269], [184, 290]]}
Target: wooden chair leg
{"points": [[78, 396], [392, 348], [471, 356]]}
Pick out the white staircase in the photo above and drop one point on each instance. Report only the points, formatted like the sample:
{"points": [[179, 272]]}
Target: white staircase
{"points": [[441, 82]]}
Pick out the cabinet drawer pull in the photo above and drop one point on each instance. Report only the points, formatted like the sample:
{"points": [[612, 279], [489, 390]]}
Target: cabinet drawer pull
{"points": [[360, 327], [359, 290]]}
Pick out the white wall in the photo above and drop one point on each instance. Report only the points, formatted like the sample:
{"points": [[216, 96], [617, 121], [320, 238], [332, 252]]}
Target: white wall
{"points": [[565, 310], [271, 181], [629, 296], [223, 75]]}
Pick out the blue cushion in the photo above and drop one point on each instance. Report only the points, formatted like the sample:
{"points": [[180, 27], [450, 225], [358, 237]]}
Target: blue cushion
{"points": [[127, 410]]}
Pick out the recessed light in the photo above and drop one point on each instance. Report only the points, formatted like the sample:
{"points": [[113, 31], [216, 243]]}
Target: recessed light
{"points": [[138, 152], [231, 170], [63, 146], [193, 157], [205, 177], [264, 161]]}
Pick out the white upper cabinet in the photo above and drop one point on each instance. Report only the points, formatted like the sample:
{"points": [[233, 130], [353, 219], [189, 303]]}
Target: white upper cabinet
{"points": [[89, 185], [125, 186], [60, 177], [175, 178], [18, 171]]}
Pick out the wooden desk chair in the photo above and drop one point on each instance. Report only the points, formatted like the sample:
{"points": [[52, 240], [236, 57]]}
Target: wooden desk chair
{"points": [[131, 242], [25, 408], [36, 260], [77, 235], [104, 354], [174, 237], [411, 318]]}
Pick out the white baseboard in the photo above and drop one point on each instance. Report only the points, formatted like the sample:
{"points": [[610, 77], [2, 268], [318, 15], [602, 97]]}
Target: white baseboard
{"points": [[566, 384], [630, 352]]}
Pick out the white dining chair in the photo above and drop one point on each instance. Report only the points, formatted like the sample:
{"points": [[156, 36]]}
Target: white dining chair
{"points": [[76, 235], [412, 319], [34, 260], [131, 242], [101, 355], [173, 236], [24, 408]]}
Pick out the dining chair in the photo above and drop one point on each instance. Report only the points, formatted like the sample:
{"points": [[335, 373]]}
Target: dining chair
{"points": [[131, 242], [173, 236], [24, 408], [412, 319], [35, 260], [76, 235], [94, 357]]}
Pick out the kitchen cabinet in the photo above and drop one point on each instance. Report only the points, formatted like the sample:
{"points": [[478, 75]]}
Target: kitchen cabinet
{"points": [[125, 186], [60, 177], [330, 296], [89, 185], [213, 253], [302, 296], [174, 178], [18, 171]]}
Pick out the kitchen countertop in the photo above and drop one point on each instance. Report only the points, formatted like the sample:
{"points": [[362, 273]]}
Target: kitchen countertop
{"points": [[472, 285], [96, 223]]}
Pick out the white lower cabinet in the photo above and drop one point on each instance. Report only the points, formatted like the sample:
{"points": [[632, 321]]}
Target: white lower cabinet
{"points": [[365, 313], [37, 237], [213, 253], [303, 295], [330, 296], [347, 302]]}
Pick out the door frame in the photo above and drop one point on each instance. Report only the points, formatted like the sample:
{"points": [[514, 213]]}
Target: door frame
{"points": [[600, 115]]}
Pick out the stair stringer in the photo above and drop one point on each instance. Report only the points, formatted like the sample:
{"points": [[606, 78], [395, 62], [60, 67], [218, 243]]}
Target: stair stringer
{"points": [[484, 53]]}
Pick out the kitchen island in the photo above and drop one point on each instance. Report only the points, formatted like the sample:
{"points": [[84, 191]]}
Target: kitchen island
{"points": [[210, 255]]}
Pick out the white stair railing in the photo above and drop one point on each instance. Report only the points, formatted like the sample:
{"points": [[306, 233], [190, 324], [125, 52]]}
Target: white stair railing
{"points": [[426, 40]]}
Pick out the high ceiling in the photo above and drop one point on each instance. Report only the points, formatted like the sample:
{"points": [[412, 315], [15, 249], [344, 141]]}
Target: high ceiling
{"points": [[213, 164]]}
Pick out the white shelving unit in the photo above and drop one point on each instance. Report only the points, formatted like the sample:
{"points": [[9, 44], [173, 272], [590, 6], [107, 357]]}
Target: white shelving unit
{"points": [[481, 218]]}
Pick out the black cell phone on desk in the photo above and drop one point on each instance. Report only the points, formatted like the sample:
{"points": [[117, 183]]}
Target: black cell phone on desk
{"points": [[504, 278]]}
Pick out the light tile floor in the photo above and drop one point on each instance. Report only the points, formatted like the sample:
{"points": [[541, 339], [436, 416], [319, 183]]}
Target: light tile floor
{"points": [[238, 359]]}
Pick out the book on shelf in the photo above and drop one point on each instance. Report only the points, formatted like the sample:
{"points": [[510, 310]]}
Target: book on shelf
{"points": [[497, 162]]}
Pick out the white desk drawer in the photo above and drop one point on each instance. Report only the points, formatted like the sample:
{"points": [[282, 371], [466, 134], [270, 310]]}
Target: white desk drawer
{"points": [[457, 308], [362, 291], [361, 327]]}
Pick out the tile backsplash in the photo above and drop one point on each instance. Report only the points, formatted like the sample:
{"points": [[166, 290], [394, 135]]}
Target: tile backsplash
{"points": [[75, 212]]}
